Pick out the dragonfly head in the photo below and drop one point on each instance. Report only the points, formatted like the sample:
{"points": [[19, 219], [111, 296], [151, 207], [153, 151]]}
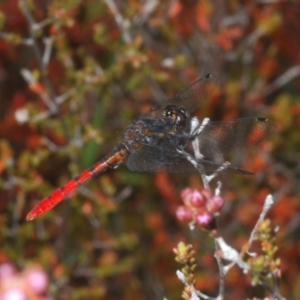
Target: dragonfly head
{"points": [[178, 115]]}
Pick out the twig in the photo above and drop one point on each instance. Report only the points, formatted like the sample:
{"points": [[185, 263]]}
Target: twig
{"points": [[122, 23], [273, 290], [196, 129], [209, 178], [221, 272], [43, 61], [230, 254], [267, 205], [48, 49], [149, 8], [32, 30], [10, 36], [29, 78], [283, 79], [218, 188], [194, 293]]}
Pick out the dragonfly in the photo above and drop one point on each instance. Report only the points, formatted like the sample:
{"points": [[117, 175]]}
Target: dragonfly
{"points": [[168, 139]]}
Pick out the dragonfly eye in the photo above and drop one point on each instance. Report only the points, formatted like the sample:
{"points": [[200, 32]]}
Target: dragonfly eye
{"points": [[170, 112], [178, 115]]}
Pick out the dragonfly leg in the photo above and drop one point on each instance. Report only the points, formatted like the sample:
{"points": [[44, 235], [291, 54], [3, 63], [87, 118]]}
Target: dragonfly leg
{"points": [[196, 129]]}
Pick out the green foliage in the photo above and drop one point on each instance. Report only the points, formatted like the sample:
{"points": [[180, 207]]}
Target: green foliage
{"points": [[265, 266]]}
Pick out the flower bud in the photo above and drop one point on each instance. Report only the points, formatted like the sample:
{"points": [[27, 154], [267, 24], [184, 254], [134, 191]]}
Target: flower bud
{"points": [[215, 204], [184, 214], [37, 280], [203, 218], [206, 193], [6, 270], [192, 197], [14, 294]]}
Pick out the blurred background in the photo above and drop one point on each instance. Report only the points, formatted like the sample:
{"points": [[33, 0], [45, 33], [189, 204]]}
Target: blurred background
{"points": [[73, 74]]}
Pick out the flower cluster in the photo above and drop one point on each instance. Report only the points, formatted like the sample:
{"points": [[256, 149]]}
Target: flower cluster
{"points": [[31, 283], [185, 255], [199, 207], [265, 267]]}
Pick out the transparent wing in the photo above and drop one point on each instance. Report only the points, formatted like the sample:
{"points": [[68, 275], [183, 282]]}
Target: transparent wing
{"points": [[216, 141], [195, 94], [191, 97], [219, 140], [152, 158], [158, 156]]}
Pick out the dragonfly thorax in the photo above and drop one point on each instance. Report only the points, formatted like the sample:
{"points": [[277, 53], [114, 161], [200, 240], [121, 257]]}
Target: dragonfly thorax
{"points": [[135, 134]]}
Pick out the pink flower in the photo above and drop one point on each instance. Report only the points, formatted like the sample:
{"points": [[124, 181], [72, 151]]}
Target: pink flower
{"points": [[207, 193], [13, 294], [37, 280], [215, 204], [204, 218], [6, 270], [184, 214], [199, 206], [192, 197]]}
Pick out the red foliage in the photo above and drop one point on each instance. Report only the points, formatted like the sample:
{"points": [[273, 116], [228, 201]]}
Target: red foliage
{"points": [[227, 38], [16, 21], [186, 17], [20, 135], [167, 190]]}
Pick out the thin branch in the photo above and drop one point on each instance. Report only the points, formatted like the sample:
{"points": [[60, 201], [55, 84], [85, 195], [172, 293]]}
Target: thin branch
{"points": [[32, 29], [209, 178], [273, 290], [230, 254], [196, 129], [29, 78], [195, 293], [283, 79], [221, 272], [122, 23], [11, 37], [149, 8], [48, 49], [218, 188], [43, 62], [267, 205]]}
